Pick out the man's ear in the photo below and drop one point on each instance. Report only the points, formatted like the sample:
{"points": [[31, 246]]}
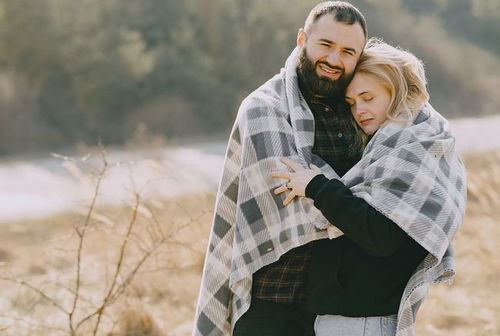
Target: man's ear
{"points": [[301, 38]]}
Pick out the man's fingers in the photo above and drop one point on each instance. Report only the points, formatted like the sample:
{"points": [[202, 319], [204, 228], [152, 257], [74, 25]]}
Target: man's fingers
{"points": [[314, 167], [295, 166], [280, 190], [289, 198], [283, 175]]}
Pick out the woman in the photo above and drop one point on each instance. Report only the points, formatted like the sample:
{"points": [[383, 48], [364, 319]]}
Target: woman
{"points": [[398, 208]]}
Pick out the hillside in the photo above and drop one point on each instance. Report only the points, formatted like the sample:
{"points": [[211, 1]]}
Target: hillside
{"points": [[124, 72]]}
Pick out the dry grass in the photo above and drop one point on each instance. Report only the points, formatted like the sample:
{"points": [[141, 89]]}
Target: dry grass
{"points": [[158, 301], [161, 298], [470, 306]]}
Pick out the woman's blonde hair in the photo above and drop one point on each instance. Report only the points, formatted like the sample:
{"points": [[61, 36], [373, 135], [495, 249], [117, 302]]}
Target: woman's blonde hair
{"points": [[401, 73]]}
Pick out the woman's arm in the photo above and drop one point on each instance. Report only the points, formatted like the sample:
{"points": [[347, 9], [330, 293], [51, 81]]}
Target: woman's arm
{"points": [[358, 220]]}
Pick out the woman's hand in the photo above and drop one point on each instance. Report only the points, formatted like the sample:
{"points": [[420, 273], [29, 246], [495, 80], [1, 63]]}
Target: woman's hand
{"points": [[299, 179]]}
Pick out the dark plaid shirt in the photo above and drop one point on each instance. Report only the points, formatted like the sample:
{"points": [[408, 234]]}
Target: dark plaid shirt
{"points": [[284, 280]]}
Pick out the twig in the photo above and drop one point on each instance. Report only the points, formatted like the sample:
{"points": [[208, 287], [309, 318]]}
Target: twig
{"points": [[33, 288], [118, 264], [81, 235], [33, 325]]}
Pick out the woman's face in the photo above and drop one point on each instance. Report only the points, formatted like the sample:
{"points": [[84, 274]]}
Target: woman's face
{"points": [[369, 101]]}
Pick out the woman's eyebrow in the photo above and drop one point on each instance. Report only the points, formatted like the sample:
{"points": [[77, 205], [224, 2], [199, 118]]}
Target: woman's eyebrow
{"points": [[357, 94]]}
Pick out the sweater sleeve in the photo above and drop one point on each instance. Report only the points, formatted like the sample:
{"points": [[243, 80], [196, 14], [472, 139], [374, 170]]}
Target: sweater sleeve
{"points": [[358, 220]]}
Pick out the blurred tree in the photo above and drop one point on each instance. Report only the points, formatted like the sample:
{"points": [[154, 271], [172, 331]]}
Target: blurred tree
{"points": [[75, 71]]}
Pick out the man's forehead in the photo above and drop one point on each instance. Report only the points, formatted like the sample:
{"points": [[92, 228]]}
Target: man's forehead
{"points": [[327, 27]]}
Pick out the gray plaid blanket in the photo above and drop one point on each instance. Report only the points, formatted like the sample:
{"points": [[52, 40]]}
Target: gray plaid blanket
{"points": [[409, 171]]}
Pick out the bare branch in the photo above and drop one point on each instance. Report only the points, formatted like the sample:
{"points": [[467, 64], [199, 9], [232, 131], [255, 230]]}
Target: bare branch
{"points": [[36, 290], [119, 263], [81, 235], [31, 324]]}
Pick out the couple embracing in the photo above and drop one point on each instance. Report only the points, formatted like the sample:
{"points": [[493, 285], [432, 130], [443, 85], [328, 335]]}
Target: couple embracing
{"points": [[340, 195]]}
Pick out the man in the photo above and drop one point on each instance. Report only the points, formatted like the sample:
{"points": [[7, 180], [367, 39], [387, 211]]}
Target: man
{"points": [[254, 276]]}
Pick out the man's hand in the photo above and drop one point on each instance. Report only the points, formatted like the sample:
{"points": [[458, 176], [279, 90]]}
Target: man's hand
{"points": [[298, 180]]}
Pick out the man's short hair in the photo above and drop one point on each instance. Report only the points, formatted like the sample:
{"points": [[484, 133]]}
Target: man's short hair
{"points": [[342, 11]]}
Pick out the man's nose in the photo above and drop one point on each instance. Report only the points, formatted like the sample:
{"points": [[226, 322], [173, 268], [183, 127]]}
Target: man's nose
{"points": [[333, 57]]}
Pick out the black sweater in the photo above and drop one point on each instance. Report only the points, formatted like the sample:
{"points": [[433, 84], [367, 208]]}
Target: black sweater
{"points": [[364, 272]]}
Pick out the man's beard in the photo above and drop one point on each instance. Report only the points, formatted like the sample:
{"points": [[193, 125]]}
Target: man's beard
{"points": [[319, 86]]}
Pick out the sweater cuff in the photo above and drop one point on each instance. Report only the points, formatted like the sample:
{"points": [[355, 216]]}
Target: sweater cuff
{"points": [[315, 185]]}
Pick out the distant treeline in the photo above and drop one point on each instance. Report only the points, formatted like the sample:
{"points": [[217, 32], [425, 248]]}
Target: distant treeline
{"points": [[75, 71]]}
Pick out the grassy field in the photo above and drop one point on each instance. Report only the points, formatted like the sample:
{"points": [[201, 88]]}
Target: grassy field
{"points": [[138, 269], [470, 306]]}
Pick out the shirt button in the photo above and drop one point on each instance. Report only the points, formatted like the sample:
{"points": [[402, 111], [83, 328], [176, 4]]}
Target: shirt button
{"points": [[340, 135]]}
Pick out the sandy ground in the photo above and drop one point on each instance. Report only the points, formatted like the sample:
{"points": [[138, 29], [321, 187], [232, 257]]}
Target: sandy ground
{"points": [[160, 298]]}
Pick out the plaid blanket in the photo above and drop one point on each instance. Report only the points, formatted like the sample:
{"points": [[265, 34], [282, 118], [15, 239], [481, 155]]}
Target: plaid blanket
{"points": [[409, 172]]}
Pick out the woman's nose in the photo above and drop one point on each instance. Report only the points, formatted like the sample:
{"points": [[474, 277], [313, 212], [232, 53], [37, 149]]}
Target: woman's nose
{"points": [[360, 110], [361, 107]]}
